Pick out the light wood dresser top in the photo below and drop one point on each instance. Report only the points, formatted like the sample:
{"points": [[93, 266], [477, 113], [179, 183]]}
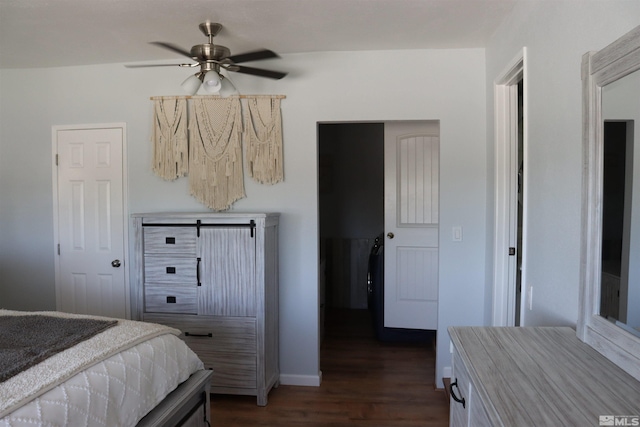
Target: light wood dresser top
{"points": [[543, 376]]}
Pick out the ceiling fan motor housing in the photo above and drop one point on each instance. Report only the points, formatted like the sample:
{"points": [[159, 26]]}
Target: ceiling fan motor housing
{"points": [[209, 52]]}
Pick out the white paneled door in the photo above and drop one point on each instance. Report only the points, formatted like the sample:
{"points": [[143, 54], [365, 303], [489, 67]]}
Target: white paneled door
{"points": [[90, 220], [411, 224]]}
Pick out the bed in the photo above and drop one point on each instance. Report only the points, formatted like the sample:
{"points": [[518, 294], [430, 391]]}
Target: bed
{"points": [[114, 372]]}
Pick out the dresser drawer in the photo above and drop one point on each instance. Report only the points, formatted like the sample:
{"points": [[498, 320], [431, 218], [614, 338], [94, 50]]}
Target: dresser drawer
{"points": [[472, 412], [232, 371], [459, 394], [170, 299], [206, 334], [170, 269], [169, 240], [227, 345]]}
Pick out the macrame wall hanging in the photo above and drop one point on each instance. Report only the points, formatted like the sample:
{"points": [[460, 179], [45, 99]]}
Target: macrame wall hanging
{"points": [[209, 149], [215, 156], [169, 138], [263, 140]]}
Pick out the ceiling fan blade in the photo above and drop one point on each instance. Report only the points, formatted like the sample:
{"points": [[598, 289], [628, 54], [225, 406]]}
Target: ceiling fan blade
{"points": [[173, 48], [155, 65], [253, 56], [258, 72]]}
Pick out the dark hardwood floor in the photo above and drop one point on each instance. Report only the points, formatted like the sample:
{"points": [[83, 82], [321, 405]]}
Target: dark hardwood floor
{"points": [[364, 383]]}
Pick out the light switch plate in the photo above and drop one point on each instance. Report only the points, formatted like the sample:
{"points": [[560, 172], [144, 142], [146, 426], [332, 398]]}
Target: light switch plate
{"points": [[457, 233]]}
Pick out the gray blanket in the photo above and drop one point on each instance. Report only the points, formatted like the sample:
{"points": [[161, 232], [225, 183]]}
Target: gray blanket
{"points": [[28, 340]]}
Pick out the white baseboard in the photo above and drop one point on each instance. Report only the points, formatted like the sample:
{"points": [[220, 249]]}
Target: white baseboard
{"points": [[302, 380], [446, 372]]}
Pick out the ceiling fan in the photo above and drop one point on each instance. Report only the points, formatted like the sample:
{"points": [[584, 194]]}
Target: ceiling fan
{"points": [[211, 58]]}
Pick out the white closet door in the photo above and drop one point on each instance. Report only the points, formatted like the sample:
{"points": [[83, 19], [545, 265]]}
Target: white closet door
{"points": [[90, 221], [411, 225]]}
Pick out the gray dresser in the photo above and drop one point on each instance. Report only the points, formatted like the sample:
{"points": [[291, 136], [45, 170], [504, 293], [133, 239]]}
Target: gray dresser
{"points": [[535, 376], [215, 277]]}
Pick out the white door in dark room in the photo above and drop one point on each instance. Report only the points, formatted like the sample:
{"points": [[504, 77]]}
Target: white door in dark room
{"points": [[90, 222], [412, 152]]}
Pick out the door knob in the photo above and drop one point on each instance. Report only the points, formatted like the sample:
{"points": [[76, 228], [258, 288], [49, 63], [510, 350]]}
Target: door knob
{"points": [[115, 263], [391, 235]]}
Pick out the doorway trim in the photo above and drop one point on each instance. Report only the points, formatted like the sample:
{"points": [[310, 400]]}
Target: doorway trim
{"points": [[125, 208], [506, 146]]}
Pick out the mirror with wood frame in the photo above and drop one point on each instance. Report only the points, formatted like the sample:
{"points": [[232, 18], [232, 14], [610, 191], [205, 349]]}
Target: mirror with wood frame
{"points": [[609, 317]]}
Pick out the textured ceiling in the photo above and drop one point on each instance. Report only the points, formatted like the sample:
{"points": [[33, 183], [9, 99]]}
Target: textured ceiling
{"points": [[51, 33]]}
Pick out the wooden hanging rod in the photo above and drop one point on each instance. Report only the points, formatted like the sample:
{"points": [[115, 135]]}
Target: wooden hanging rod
{"points": [[153, 98]]}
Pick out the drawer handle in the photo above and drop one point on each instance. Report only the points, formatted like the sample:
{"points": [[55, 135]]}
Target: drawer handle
{"points": [[171, 270], [170, 241], [198, 271], [189, 334], [171, 300], [453, 395]]}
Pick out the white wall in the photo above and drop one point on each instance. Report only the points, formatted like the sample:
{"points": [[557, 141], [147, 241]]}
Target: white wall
{"points": [[556, 35], [445, 85]]}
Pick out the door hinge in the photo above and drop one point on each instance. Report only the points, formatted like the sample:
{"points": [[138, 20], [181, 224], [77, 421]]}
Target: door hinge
{"points": [[512, 251], [56, 160], [58, 248]]}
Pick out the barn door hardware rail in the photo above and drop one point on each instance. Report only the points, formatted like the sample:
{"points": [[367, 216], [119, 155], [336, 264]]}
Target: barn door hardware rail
{"points": [[199, 224]]}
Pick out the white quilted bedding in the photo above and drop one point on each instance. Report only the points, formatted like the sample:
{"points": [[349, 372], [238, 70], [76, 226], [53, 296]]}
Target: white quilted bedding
{"points": [[117, 391]]}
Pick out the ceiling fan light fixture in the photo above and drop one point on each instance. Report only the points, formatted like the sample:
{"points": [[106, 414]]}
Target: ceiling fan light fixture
{"points": [[227, 88], [191, 84], [212, 82]]}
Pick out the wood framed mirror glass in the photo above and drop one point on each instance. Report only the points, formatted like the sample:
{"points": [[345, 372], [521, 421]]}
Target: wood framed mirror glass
{"points": [[609, 316]]}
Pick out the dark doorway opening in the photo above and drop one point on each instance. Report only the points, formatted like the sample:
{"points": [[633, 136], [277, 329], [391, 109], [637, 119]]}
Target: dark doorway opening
{"points": [[351, 212]]}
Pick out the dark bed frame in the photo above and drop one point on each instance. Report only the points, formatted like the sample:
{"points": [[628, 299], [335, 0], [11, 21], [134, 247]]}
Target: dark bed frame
{"points": [[187, 406]]}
